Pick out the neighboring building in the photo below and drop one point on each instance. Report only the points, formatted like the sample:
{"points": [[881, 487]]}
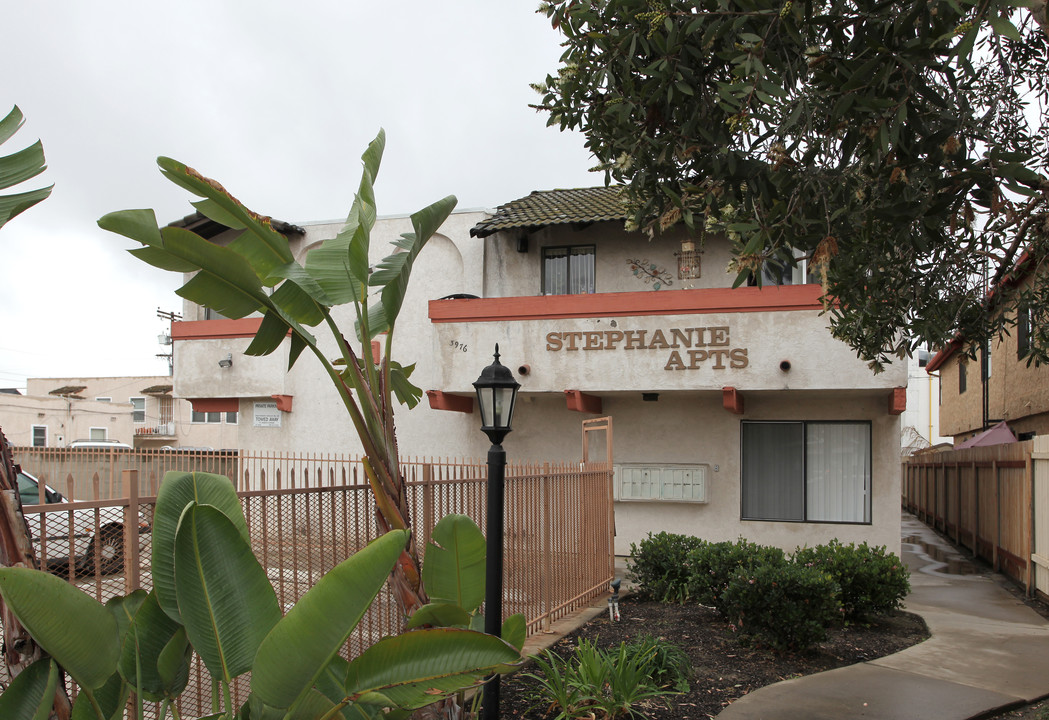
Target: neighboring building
{"points": [[921, 419], [975, 396], [139, 411], [735, 412]]}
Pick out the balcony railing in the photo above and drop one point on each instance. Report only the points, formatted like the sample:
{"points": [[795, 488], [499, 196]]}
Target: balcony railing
{"points": [[160, 430]]}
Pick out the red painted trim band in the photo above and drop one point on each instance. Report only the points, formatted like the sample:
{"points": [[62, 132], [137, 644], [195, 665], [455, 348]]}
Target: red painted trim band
{"points": [[215, 329], [673, 302]]}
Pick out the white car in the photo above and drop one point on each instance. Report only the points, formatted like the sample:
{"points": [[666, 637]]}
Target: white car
{"points": [[100, 445], [101, 538]]}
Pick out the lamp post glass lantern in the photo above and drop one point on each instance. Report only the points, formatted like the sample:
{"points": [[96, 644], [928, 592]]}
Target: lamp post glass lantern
{"points": [[496, 396]]}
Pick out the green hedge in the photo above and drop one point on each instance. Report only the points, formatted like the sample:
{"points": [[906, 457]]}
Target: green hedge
{"points": [[784, 602], [873, 581], [713, 565], [659, 565], [787, 607]]}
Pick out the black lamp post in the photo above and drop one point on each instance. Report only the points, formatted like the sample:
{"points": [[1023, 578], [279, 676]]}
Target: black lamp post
{"points": [[496, 396]]}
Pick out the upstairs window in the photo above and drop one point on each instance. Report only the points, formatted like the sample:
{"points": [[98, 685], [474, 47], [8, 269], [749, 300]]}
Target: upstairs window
{"points": [[777, 272], [568, 270], [1023, 333], [961, 376], [214, 418], [40, 436], [138, 414]]}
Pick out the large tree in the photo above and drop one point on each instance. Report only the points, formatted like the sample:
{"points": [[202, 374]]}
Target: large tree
{"points": [[900, 146]]}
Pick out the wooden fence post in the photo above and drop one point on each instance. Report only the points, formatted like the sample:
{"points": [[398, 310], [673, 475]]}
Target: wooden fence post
{"points": [[976, 509], [997, 514], [1029, 493]]}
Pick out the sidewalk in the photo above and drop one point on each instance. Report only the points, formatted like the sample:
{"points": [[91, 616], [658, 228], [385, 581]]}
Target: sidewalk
{"points": [[988, 652]]}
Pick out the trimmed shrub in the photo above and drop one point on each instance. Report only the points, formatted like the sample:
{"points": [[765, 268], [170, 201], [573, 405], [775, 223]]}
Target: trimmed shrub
{"points": [[713, 565], [659, 565], [873, 581], [787, 606]]}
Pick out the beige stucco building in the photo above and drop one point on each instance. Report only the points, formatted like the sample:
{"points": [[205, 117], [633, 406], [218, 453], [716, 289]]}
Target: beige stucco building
{"points": [[735, 412], [138, 411]]}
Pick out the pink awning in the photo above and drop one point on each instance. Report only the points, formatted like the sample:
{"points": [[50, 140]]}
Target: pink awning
{"points": [[999, 434]]}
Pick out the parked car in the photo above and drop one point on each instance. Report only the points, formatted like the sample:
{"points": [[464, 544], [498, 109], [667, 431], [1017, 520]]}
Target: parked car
{"points": [[107, 544], [100, 444]]}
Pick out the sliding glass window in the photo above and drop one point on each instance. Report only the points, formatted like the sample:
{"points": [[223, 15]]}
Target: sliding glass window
{"points": [[806, 471]]}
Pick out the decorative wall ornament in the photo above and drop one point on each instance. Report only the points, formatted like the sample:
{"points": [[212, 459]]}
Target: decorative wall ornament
{"points": [[688, 265], [648, 272]]}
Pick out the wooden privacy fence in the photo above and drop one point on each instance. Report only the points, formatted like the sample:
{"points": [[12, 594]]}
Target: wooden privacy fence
{"points": [[990, 500]]}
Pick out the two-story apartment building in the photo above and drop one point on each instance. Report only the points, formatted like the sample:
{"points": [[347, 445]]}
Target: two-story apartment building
{"points": [[138, 411], [735, 412], [983, 387]]}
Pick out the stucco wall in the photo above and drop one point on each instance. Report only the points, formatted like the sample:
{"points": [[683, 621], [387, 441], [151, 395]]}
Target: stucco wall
{"points": [[71, 419], [510, 273], [66, 419], [688, 423]]}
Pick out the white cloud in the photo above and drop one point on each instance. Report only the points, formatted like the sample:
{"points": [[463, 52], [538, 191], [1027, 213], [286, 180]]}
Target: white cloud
{"points": [[277, 104]]}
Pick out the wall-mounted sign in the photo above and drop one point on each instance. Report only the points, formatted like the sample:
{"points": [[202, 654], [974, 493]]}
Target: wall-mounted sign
{"points": [[266, 414], [690, 348]]}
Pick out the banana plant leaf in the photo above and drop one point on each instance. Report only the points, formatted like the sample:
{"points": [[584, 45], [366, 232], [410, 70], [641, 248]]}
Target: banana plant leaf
{"points": [[263, 247], [32, 693], [439, 614], [393, 272], [453, 571], [420, 667], [340, 265], [124, 608], [224, 598], [75, 629], [299, 649], [177, 491], [155, 654], [17, 168], [110, 699]]}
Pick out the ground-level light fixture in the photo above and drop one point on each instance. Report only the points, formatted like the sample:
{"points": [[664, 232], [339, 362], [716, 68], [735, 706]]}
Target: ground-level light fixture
{"points": [[496, 397]]}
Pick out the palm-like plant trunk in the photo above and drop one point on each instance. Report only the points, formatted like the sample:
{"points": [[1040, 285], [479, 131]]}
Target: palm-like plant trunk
{"points": [[20, 650]]}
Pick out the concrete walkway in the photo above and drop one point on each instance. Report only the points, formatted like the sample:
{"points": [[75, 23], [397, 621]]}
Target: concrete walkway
{"points": [[988, 652]]}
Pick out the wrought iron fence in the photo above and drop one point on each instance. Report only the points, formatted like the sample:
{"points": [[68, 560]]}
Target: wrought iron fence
{"points": [[306, 513]]}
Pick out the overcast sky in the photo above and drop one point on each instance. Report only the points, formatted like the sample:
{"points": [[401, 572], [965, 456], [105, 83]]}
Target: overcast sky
{"points": [[278, 105]]}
